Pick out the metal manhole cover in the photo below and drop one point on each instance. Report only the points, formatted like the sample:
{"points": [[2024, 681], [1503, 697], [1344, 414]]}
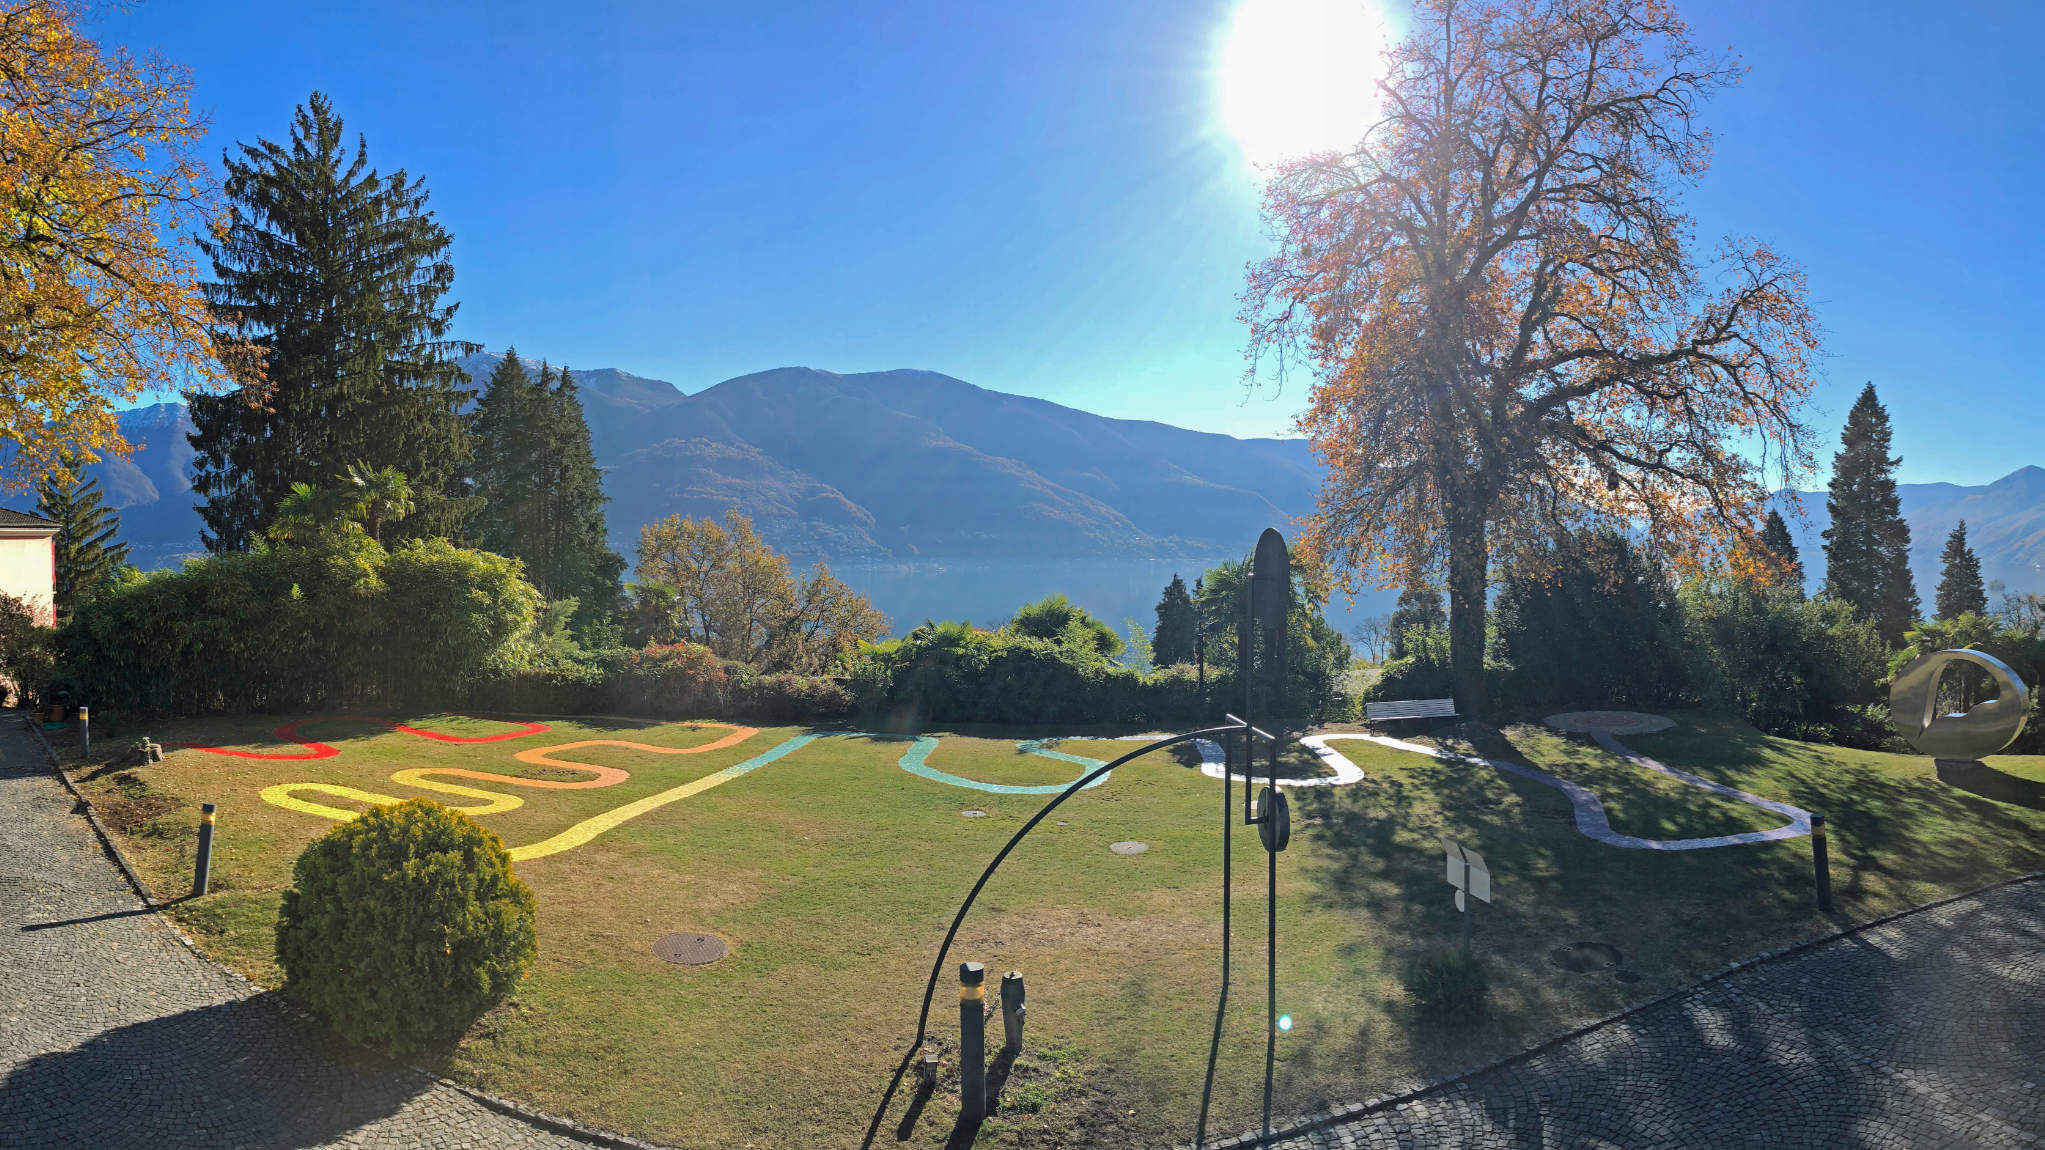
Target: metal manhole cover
{"points": [[1130, 847], [691, 948], [974, 814], [1585, 957]]}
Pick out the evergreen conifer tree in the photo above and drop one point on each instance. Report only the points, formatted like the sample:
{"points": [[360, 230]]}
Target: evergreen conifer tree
{"points": [[1178, 627], [502, 475], [1418, 606], [1775, 537], [1959, 585], [1867, 547], [543, 498], [337, 273], [87, 550], [580, 560]]}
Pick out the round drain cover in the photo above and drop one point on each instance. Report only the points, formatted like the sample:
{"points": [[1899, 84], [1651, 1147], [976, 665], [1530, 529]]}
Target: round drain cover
{"points": [[1130, 847], [974, 814], [691, 948], [1584, 957]]}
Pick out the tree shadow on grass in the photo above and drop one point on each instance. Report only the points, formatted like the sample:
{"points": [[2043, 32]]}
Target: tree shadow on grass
{"points": [[239, 1073]]}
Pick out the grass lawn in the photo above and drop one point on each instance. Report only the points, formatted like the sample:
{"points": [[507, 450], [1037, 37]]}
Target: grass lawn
{"points": [[833, 873]]}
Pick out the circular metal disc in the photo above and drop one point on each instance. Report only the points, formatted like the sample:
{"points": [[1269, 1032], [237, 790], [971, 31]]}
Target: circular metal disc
{"points": [[691, 948], [1129, 847]]}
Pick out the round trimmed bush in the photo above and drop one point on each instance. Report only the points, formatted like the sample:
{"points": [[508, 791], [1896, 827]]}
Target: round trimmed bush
{"points": [[404, 925]]}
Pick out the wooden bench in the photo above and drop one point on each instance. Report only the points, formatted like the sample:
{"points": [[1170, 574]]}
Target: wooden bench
{"points": [[1410, 709]]}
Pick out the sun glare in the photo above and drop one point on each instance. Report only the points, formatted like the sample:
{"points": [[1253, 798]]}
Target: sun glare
{"points": [[1300, 76]]}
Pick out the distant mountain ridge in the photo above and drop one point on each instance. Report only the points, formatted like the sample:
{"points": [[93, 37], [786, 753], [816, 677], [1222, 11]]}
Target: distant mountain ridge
{"points": [[905, 465], [876, 466]]}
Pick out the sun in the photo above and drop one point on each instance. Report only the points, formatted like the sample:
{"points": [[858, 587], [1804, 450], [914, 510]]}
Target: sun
{"points": [[1300, 76]]}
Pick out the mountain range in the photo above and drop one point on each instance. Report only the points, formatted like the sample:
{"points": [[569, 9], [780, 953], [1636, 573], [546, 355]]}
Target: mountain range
{"points": [[899, 466], [879, 466]]}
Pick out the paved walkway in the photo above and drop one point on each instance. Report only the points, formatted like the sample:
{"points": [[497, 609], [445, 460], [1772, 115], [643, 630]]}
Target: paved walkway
{"points": [[115, 1036], [1926, 1032]]}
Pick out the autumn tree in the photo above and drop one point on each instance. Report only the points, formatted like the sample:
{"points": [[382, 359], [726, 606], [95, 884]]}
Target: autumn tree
{"points": [[338, 273], [87, 547], [99, 301], [1867, 547], [721, 586], [1508, 330], [1959, 585], [1776, 541]]}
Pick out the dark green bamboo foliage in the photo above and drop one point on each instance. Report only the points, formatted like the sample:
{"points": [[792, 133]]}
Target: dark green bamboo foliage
{"points": [[87, 550], [1959, 585], [541, 491], [1867, 548], [338, 273]]}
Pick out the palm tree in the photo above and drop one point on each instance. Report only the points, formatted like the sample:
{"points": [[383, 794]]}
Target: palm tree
{"points": [[382, 495]]}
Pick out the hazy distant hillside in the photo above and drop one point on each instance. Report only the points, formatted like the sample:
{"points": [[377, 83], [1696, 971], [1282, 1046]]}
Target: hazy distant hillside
{"points": [[881, 466], [908, 465], [2005, 526]]}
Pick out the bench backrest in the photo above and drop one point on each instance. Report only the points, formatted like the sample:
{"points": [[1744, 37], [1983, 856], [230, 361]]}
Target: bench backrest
{"points": [[1411, 709]]}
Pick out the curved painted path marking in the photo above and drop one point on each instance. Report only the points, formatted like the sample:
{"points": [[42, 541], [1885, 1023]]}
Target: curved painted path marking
{"points": [[495, 802], [915, 760], [1591, 821], [1214, 763], [288, 733]]}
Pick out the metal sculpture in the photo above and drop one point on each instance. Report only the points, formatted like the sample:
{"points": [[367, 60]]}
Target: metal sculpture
{"points": [[1984, 729]]}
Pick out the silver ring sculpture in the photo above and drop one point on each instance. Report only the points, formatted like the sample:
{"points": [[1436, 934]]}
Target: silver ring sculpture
{"points": [[1983, 730]]}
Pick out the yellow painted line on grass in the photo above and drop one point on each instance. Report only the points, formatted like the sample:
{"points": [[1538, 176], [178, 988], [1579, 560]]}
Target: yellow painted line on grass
{"points": [[590, 828]]}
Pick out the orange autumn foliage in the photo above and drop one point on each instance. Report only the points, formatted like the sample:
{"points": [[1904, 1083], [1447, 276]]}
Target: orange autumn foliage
{"points": [[97, 304], [1506, 325]]}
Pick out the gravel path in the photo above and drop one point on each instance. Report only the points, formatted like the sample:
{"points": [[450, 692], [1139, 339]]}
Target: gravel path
{"points": [[113, 1035], [1928, 1031]]}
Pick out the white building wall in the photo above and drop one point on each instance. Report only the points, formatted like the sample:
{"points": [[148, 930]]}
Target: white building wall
{"points": [[28, 571]]}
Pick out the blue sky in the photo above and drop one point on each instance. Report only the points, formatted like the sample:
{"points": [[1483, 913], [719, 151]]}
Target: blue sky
{"points": [[1039, 197]]}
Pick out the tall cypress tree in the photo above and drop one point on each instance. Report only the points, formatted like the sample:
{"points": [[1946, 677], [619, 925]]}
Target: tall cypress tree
{"points": [[542, 491], [1178, 627], [1775, 537], [1419, 606], [337, 272], [1867, 548], [580, 555], [1959, 585], [87, 550], [503, 475]]}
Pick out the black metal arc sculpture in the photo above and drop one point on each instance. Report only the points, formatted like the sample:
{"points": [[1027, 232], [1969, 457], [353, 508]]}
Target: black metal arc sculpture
{"points": [[1266, 615]]}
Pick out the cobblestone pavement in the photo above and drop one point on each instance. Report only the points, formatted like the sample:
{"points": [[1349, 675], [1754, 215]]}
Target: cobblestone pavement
{"points": [[113, 1035], [1928, 1031]]}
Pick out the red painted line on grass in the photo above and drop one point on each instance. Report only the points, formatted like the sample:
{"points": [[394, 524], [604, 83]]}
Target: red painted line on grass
{"points": [[288, 733]]}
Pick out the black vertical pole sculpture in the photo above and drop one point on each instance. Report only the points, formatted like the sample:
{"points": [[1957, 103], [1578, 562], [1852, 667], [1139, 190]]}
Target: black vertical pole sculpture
{"points": [[1271, 604]]}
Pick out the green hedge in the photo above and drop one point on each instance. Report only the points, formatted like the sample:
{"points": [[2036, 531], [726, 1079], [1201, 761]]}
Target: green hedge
{"points": [[285, 628], [404, 925]]}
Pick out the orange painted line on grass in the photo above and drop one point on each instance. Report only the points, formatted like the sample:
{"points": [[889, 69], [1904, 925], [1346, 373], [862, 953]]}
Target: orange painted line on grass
{"points": [[288, 733]]}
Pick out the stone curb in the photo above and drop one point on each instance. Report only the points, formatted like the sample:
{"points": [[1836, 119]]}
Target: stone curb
{"points": [[516, 1110], [1344, 1112]]}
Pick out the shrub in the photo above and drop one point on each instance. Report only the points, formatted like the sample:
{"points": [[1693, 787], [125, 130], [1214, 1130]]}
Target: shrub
{"points": [[1421, 673], [1589, 620], [1806, 669], [674, 679], [337, 621], [787, 698], [1449, 986], [25, 657], [404, 925]]}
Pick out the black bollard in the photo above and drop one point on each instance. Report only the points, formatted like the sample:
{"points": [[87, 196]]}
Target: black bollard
{"points": [[1012, 1012], [1821, 860], [84, 732], [202, 874], [972, 1042]]}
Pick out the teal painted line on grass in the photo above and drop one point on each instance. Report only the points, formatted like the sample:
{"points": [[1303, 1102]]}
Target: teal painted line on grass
{"points": [[915, 760], [767, 756]]}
